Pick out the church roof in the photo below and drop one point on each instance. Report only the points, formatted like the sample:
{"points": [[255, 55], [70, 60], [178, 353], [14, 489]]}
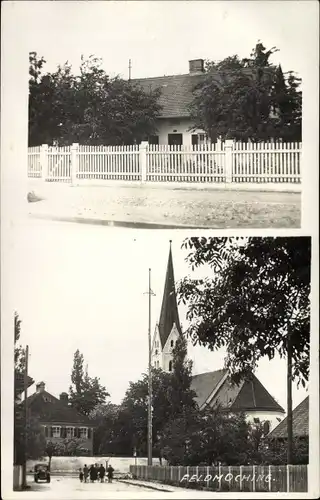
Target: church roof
{"points": [[50, 409], [215, 388], [300, 423], [169, 309]]}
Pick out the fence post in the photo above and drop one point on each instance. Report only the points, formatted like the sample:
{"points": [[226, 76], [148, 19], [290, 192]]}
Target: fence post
{"points": [[228, 148], [241, 468], [270, 478], [253, 478], [288, 478], [143, 160], [44, 161], [74, 163]]}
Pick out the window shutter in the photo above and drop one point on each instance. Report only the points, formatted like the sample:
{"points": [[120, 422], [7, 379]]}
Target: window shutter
{"points": [[89, 433], [63, 432], [46, 431], [50, 431], [77, 432]]}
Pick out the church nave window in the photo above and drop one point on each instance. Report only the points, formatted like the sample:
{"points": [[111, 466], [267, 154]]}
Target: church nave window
{"points": [[170, 366]]}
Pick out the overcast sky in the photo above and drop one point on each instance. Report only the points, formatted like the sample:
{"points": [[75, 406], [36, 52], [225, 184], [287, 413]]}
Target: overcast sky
{"points": [[160, 37], [82, 287]]}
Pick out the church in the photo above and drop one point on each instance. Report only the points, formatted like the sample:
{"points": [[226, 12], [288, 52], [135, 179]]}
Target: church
{"points": [[212, 388]]}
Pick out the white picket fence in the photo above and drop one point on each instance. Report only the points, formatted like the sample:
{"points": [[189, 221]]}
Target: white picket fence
{"points": [[228, 163]]}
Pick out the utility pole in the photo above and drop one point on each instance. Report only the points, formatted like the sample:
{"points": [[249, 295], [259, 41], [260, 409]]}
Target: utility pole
{"points": [[289, 396], [150, 293], [129, 69], [24, 467]]}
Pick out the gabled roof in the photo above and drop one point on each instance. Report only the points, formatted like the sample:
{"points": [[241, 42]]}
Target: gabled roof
{"points": [[176, 92], [50, 409], [249, 395], [300, 423], [169, 308], [19, 382]]}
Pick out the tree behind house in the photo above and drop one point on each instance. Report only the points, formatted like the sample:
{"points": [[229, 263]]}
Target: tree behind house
{"points": [[85, 392]]}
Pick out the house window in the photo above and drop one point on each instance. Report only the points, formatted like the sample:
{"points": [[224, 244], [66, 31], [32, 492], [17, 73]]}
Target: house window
{"points": [[56, 431], [171, 343], [256, 420], [154, 140], [198, 139], [83, 432], [170, 366], [70, 432], [156, 352]]}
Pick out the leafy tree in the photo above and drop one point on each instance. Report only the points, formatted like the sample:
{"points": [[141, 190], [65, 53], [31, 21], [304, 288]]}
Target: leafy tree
{"points": [[259, 291], [207, 437], [248, 99], [105, 418], [90, 108], [85, 393]]}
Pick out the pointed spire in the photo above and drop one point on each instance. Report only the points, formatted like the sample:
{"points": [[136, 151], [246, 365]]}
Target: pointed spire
{"points": [[169, 309]]}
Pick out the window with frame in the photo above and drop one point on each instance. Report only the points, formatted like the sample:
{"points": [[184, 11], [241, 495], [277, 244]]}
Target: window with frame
{"points": [[56, 431], [170, 366], [83, 432], [171, 343], [154, 140], [70, 432]]}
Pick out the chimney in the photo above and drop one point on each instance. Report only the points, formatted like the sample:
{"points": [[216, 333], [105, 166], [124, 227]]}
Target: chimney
{"points": [[40, 387], [196, 66], [64, 397]]}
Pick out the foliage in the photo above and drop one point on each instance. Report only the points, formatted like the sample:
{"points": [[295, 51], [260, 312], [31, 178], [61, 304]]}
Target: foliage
{"points": [[90, 108], [248, 99], [208, 436], [19, 352], [85, 393], [122, 429], [105, 418], [259, 290], [275, 453], [36, 441]]}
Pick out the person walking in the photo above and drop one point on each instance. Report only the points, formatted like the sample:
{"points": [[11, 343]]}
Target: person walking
{"points": [[85, 473], [92, 473], [102, 472], [81, 475], [110, 471]]}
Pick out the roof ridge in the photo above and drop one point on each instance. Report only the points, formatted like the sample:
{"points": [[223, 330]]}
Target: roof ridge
{"points": [[167, 76]]}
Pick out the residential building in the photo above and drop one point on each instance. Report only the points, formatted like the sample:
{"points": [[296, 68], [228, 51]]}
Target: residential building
{"points": [[59, 419], [212, 388], [174, 124], [300, 424]]}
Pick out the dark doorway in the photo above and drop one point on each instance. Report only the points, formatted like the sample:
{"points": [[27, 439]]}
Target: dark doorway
{"points": [[175, 139]]}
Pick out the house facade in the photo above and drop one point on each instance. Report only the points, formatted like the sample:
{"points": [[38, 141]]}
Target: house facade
{"points": [[174, 124], [212, 388], [59, 420]]}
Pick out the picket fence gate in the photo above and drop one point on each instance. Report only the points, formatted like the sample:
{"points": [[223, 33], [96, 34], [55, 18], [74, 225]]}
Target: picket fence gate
{"points": [[248, 478], [230, 162]]}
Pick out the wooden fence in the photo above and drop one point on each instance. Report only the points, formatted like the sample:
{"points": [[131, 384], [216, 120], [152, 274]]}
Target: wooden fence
{"points": [[254, 478], [229, 163]]}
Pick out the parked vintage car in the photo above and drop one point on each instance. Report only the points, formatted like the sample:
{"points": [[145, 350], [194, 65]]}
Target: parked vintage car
{"points": [[41, 473]]}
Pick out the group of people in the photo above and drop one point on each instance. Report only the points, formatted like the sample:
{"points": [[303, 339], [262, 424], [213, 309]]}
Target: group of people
{"points": [[96, 473]]}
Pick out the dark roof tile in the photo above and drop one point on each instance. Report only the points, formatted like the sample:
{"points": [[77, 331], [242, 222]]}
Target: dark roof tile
{"points": [[248, 395], [176, 92], [50, 409], [300, 423]]}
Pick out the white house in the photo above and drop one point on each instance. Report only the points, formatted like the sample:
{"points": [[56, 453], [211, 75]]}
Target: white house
{"points": [[176, 94], [212, 388]]}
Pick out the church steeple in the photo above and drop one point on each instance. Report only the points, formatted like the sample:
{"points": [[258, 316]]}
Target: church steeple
{"points": [[168, 330], [169, 310]]}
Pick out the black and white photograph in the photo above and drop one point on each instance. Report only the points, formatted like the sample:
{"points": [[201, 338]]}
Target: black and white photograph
{"points": [[159, 249], [206, 133], [166, 378]]}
